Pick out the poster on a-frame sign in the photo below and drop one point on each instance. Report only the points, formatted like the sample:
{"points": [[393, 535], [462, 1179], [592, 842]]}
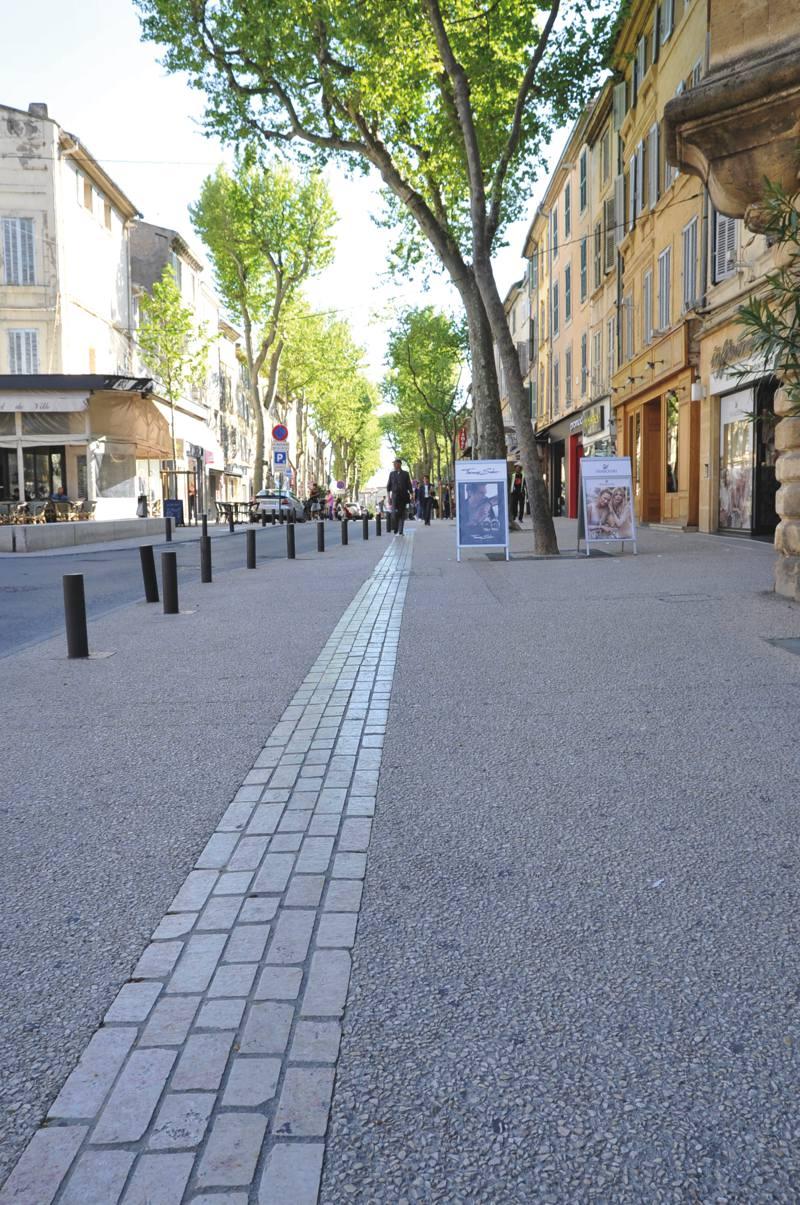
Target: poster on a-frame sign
{"points": [[605, 510]]}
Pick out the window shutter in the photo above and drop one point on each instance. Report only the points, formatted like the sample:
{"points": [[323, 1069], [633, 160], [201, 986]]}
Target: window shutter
{"points": [[618, 215], [10, 253], [632, 192], [23, 352], [18, 257], [32, 351], [724, 246], [583, 179], [584, 268], [27, 274], [666, 20], [598, 254], [656, 31], [619, 105], [13, 352], [641, 57], [652, 164], [640, 180]]}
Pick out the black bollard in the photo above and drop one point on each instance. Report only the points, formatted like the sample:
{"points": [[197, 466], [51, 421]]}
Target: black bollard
{"points": [[75, 616], [205, 524], [169, 581], [251, 549], [290, 541], [365, 527], [273, 517], [345, 533], [377, 525], [205, 558], [231, 525], [320, 536], [263, 518], [149, 573], [168, 529]]}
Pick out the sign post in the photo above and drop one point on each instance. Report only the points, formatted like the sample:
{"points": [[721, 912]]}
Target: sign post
{"points": [[605, 506], [482, 507]]}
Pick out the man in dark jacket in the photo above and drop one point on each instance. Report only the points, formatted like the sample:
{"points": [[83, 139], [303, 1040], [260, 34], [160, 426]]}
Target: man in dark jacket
{"points": [[399, 490]]}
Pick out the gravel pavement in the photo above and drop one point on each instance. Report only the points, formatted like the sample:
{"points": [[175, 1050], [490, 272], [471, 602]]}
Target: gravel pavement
{"points": [[115, 773], [577, 967]]}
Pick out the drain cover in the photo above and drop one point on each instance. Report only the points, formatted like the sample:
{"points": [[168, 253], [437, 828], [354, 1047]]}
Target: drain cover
{"points": [[790, 643]]}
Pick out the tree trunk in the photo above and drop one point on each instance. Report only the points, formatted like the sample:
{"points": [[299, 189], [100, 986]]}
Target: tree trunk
{"points": [[255, 404], [485, 389], [544, 533]]}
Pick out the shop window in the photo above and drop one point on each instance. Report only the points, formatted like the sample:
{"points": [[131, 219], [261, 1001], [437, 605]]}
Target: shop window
{"points": [[18, 255], [9, 475], [44, 472], [83, 484], [42, 422], [672, 428], [8, 424], [736, 461]]}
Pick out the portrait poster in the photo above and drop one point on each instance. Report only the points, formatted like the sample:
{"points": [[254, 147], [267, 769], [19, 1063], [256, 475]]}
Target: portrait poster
{"points": [[606, 504], [482, 505]]}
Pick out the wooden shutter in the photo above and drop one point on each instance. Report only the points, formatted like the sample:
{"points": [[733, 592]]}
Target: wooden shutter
{"points": [[619, 208], [620, 103], [656, 31], [652, 164], [724, 246]]}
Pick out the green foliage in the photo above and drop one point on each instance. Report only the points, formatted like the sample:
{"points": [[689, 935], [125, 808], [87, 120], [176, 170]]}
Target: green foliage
{"points": [[771, 318], [367, 80], [267, 232], [425, 357], [173, 348]]}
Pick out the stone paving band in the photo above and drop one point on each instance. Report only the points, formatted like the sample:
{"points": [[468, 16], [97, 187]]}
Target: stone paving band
{"points": [[214, 1067]]}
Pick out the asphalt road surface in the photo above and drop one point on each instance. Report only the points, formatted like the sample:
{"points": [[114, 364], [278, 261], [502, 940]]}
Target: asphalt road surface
{"points": [[31, 592]]}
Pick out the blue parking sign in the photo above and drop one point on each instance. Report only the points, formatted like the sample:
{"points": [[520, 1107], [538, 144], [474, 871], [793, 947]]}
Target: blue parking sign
{"points": [[280, 458]]}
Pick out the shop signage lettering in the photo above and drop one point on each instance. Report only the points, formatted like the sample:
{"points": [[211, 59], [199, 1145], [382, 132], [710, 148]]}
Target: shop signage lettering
{"points": [[732, 351], [593, 420]]}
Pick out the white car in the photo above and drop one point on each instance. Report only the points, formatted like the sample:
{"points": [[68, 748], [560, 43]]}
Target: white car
{"points": [[285, 503]]}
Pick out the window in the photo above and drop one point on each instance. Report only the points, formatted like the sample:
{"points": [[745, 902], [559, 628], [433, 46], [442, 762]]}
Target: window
{"points": [[18, 259], [610, 350], [568, 377], [664, 271], [533, 337], [535, 269], [631, 183], [652, 165], [724, 246], [567, 210], [568, 294], [612, 234], [627, 306], [598, 254], [647, 308], [23, 352], [554, 232], [605, 155], [556, 386], [177, 268], [583, 181], [656, 31], [690, 264], [620, 104], [555, 309], [584, 363], [618, 209], [584, 268], [667, 7], [597, 356], [670, 172], [641, 58], [87, 195], [697, 73], [640, 180]]}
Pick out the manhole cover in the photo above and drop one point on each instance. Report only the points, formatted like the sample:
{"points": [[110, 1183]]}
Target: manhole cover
{"points": [[790, 643]]}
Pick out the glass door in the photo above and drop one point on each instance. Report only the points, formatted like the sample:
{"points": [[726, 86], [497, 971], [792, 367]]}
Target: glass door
{"points": [[736, 461]]}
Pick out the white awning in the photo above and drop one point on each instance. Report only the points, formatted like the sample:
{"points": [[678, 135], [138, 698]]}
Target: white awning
{"points": [[29, 401]]}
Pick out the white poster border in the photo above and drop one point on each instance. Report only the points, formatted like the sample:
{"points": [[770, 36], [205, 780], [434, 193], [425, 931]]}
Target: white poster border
{"points": [[491, 472], [609, 466]]}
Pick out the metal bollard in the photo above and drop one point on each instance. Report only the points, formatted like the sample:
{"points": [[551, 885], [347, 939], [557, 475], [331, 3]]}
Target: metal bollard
{"points": [[290, 541], [149, 578], [345, 533], [365, 527], [377, 525], [320, 536], [205, 524], [75, 616], [169, 581], [263, 518], [168, 529], [231, 524], [205, 558], [251, 549]]}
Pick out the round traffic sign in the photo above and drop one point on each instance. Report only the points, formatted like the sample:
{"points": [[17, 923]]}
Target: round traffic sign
{"points": [[340, 485], [280, 433]]}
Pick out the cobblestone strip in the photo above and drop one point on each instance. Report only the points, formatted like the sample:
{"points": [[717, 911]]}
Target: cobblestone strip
{"points": [[211, 1077]]}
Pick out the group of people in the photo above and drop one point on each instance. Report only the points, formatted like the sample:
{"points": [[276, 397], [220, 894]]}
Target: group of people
{"points": [[402, 491]]}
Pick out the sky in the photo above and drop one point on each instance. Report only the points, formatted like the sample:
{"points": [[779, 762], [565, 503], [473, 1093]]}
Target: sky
{"points": [[107, 87]]}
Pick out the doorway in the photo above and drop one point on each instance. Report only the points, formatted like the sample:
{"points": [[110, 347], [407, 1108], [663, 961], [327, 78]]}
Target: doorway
{"points": [[558, 486], [765, 517], [650, 498]]}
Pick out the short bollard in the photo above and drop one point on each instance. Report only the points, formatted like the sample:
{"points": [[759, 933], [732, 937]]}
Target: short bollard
{"points": [[75, 616], [365, 527], [377, 525], [231, 525], [205, 558], [169, 581], [205, 524], [345, 533], [320, 536], [290, 541], [149, 578], [273, 517], [263, 518], [168, 529], [251, 549]]}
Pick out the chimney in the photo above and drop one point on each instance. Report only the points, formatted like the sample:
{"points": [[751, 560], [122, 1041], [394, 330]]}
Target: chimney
{"points": [[37, 109]]}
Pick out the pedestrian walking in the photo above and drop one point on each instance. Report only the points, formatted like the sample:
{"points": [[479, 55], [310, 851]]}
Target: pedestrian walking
{"points": [[192, 491], [399, 490], [446, 502], [426, 499], [518, 492]]}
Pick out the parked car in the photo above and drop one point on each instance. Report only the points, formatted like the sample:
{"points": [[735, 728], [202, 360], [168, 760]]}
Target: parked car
{"points": [[285, 503]]}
